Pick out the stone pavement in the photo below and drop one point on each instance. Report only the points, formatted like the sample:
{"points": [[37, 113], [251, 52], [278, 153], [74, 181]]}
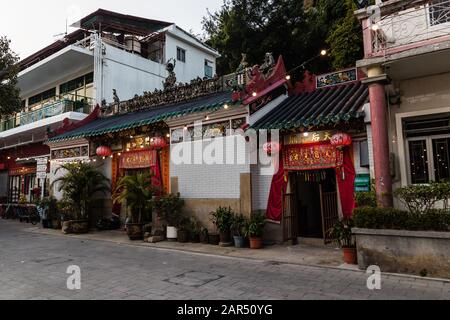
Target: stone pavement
{"points": [[34, 265], [311, 255]]}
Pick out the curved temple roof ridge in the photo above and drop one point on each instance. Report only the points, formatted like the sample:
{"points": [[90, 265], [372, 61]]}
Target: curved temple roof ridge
{"points": [[320, 107]]}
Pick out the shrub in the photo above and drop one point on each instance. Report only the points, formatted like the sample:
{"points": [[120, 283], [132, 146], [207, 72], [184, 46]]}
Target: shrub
{"points": [[170, 208], [366, 199], [342, 233], [423, 198], [255, 227], [222, 218], [388, 218]]}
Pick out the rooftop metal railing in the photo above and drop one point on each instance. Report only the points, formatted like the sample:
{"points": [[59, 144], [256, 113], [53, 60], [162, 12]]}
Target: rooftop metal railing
{"points": [[427, 21], [62, 105]]}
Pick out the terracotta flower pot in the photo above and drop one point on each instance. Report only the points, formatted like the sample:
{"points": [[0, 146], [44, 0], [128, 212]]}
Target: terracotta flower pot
{"points": [[350, 255], [256, 243]]}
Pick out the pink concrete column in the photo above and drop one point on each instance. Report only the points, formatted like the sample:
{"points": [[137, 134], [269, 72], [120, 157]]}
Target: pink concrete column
{"points": [[380, 138]]}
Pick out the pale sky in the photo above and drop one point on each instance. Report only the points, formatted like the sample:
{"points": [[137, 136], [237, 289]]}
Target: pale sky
{"points": [[32, 25]]}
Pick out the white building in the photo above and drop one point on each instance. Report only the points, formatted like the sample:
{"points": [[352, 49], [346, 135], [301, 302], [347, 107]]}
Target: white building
{"points": [[66, 79]]}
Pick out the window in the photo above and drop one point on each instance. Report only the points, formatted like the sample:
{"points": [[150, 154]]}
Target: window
{"points": [[181, 54], [208, 69], [429, 149], [42, 97], [78, 88], [439, 12], [364, 161]]}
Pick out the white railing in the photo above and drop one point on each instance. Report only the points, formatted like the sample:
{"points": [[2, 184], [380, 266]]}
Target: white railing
{"points": [[425, 22]]}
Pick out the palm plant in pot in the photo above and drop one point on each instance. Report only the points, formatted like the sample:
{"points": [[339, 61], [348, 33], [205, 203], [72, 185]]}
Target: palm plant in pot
{"points": [[80, 183], [222, 219], [255, 229], [136, 191], [169, 208], [238, 227], [342, 233]]}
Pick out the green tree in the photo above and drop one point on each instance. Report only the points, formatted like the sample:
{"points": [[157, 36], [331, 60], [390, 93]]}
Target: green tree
{"points": [[284, 27], [9, 93], [345, 39]]}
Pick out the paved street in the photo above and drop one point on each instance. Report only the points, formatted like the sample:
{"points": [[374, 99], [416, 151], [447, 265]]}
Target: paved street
{"points": [[33, 266]]}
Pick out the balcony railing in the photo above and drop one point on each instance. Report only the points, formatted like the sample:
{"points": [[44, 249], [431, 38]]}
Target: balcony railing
{"points": [[425, 22], [81, 105]]}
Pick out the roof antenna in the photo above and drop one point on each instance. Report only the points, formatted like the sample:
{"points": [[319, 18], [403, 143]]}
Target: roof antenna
{"points": [[63, 34]]}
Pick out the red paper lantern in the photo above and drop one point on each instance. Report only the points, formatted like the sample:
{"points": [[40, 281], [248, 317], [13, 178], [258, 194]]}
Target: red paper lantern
{"points": [[103, 151], [341, 140], [272, 147], [158, 143]]}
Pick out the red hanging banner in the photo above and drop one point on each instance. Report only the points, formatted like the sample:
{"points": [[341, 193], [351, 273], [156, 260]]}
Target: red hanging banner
{"points": [[138, 159], [312, 157]]}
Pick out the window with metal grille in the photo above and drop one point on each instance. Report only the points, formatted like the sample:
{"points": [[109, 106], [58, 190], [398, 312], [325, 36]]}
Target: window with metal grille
{"points": [[428, 147], [439, 12]]}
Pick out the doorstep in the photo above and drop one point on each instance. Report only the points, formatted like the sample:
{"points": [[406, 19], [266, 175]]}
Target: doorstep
{"points": [[302, 254]]}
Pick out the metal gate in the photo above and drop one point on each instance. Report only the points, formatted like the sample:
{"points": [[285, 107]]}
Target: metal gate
{"points": [[290, 218], [330, 214]]}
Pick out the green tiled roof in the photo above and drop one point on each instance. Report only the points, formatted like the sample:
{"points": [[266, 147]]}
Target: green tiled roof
{"points": [[320, 107], [132, 120]]}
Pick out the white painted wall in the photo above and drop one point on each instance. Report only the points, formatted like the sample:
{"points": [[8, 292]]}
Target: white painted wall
{"points": [[195, 59], [420, 97], [208, 181], [130, 74], [261, 184]]}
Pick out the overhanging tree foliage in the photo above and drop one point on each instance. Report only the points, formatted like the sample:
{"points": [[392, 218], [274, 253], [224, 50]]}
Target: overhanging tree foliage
{"points": [[286, 27], [9, 93]]}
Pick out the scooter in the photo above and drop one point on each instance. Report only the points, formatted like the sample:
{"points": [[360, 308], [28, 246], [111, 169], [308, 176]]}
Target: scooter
{"points": [[112, 223]]}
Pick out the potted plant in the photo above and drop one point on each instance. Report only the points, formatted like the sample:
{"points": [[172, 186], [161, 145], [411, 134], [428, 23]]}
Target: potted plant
{"points": [[194, 231], [342, 233], [204, 236], [169, 208], [136, 191], [238, 227], [183, 230], [80, 183], [255, 229], [222, 219]]}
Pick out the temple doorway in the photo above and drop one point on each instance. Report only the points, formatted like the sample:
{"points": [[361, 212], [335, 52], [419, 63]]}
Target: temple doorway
{"points": [[311, 207]]}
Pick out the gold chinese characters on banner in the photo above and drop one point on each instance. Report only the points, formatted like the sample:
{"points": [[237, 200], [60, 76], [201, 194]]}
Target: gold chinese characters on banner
{"points": [[309, 137], [311, 157], [138, 159]]}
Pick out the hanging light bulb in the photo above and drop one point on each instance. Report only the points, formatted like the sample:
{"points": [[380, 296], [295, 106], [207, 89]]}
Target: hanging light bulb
{"points": [[288, 77], [207, 118], [254, 94], [323, 52], [225, 106]]}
